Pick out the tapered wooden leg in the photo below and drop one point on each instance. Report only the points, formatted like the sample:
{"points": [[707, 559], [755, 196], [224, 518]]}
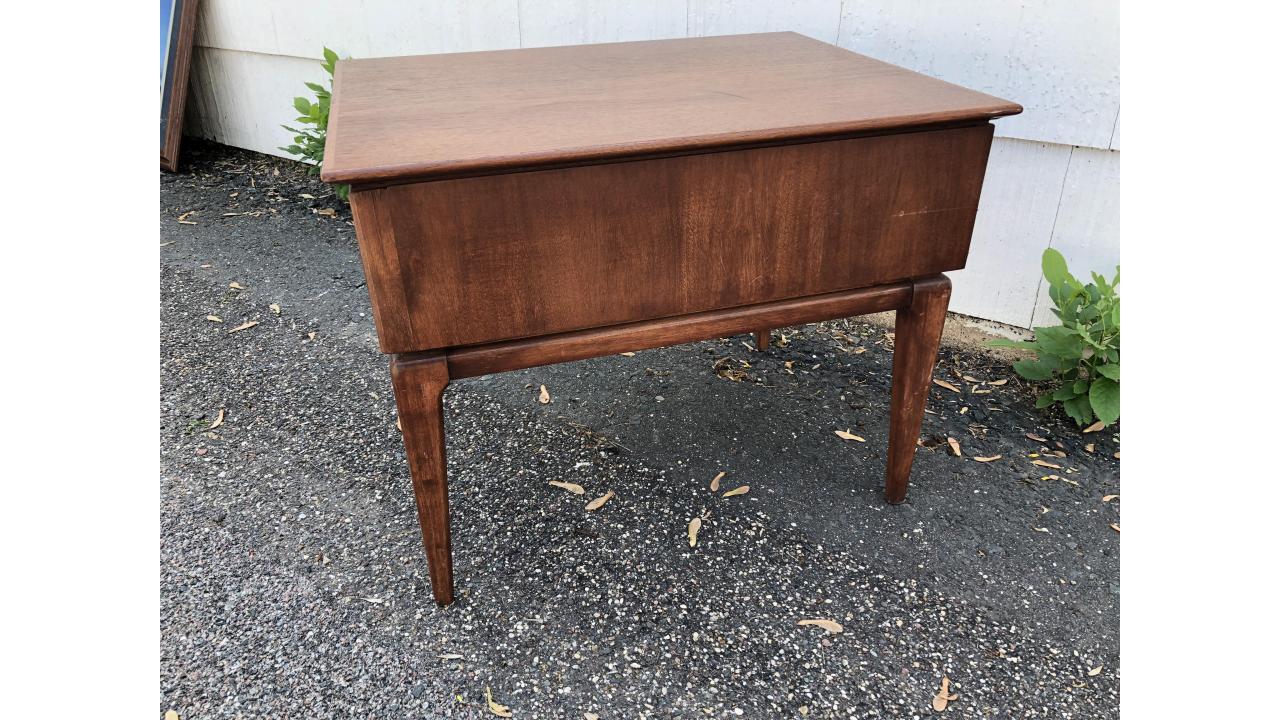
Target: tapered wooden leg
{"points": [[917, 332], [762, 340], [419, 381]]}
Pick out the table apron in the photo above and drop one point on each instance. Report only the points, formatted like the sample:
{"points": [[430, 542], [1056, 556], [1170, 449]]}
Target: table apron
{"points": [[474, 360]]}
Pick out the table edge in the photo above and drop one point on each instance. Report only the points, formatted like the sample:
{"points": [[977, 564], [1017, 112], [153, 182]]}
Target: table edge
{"points": [[378, 175]]}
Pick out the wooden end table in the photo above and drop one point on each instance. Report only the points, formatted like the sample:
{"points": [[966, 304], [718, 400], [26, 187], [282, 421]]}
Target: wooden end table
{"points": [[525, 207]]}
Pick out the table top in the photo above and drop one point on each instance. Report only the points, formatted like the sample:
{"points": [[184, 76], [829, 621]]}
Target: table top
{"points": [[431, 116]]}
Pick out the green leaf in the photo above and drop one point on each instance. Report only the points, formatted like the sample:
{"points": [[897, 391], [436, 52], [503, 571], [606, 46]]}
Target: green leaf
{"points": [[1104, 398], [1044, 401], [1060, 341], [1079, 409], [1033, 369], [1080, 386], [302, 105], [1101, 282], [1110, 370], [1054, 267], [1020, 344], [1066, 392]]}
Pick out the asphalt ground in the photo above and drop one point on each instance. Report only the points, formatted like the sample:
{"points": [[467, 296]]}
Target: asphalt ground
{"points": [[294, 585]]}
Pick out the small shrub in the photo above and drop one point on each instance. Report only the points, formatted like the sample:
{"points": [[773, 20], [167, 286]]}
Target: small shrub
{"points": [[1080, 357], [309, 142]]}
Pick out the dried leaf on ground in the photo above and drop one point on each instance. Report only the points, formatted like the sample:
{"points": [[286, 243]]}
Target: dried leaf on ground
{"points": [[449, 656], [1109, 498], [213, 318], [731, 374], [245, 326], [574, 488], [1115, 526], [222, 414], [495, 708], [183, 218], [988, 459], [275, 308], [1095, 427], [715, 482], [944, 695], [171, 715], [955, 446], [830, 626], [694, 526], [945, 384], [599, 502], [1043, 530], [235, 286], [1045, 463], [398, 424], [590, 716], [1117, 455], [737, 491], [1093, 672], [544, 397], [846, 435], [628, 354], [999, 382], [1037, 438], [311, 335]]}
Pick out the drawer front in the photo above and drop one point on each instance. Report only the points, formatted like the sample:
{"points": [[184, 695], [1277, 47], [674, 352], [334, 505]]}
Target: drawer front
{"points": [[473, 260]]}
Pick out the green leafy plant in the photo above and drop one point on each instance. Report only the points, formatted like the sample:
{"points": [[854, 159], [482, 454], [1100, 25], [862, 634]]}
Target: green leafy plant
{"points": [[1082, 355], [309, 142]]}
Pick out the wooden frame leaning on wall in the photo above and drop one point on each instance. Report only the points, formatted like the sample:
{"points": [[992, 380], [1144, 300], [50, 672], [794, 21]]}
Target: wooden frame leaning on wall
{"points": [[177, 36]]}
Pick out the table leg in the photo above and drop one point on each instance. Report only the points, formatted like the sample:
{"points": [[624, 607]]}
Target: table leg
{"points": [[762, 340], [917, 331], [419, 381]]}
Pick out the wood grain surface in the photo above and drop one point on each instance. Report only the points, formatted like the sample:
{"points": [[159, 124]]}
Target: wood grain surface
{"points": [[917, 332], [476, 260], [420, 117], [565, 347], [419, 384]]}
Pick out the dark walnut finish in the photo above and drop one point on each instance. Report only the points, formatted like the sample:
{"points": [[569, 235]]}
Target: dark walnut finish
{"points": [[488, 258], [528, 207]]}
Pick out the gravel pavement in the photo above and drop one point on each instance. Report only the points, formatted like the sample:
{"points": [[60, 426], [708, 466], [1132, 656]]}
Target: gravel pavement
{"points": [[293, 583]]}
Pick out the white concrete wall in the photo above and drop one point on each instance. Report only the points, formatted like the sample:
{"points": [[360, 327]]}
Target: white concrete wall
{"points": [[1054, 174]]}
